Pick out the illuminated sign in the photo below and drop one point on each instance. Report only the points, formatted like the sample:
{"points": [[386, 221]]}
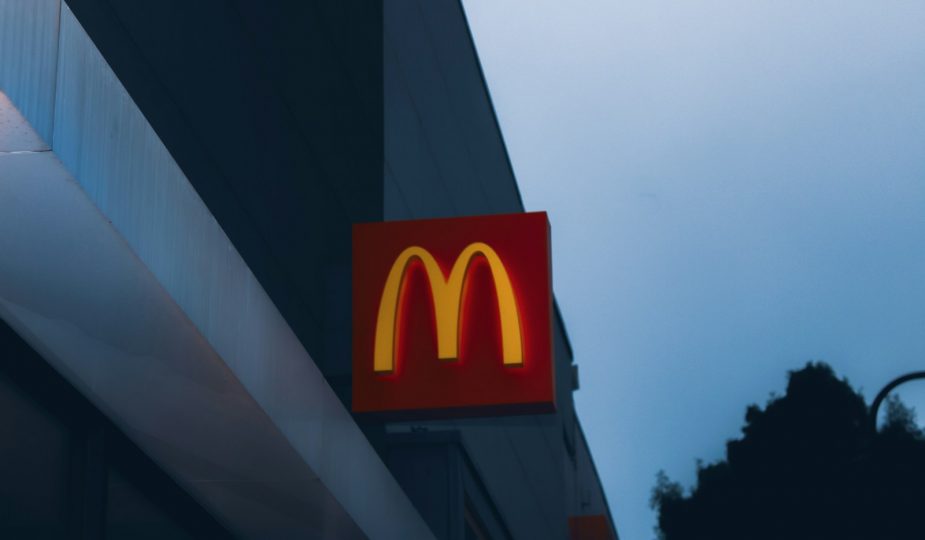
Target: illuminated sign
{"points": [[453, 316]]}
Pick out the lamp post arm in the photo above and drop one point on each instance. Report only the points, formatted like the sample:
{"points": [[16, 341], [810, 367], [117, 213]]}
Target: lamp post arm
{"points": [[875, 406]]}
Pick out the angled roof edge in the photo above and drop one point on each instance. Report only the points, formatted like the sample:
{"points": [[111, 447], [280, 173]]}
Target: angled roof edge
{"points": [[507, 158]]}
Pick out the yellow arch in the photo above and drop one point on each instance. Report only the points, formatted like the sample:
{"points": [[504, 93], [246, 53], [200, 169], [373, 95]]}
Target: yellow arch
{"points": [[447, 294]]}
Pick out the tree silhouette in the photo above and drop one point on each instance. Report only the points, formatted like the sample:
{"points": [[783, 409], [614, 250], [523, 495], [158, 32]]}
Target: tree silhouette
{"points": [[806, 467]]}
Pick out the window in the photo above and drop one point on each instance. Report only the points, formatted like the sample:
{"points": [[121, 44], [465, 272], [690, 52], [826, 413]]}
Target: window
{"points": [[66, 471]]}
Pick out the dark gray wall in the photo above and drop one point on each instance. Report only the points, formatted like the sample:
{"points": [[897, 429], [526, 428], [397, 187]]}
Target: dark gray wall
{"points": [[274, 112], [444, 154]]}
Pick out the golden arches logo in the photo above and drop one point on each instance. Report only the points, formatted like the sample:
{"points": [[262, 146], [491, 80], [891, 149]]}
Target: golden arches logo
{"points": [[447, 298]]}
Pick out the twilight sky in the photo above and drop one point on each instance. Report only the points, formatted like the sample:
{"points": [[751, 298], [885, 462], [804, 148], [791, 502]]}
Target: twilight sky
{"points": [[734, 188]]}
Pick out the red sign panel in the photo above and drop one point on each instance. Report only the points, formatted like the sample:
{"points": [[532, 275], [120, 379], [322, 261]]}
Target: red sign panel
{"points": [[453, 316]]}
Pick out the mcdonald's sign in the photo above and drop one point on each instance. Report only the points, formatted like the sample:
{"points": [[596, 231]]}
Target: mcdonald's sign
{"points": [[453, 316]]}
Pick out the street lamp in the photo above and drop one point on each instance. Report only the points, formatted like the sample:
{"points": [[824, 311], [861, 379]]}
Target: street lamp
{"points": [[875, 406]]}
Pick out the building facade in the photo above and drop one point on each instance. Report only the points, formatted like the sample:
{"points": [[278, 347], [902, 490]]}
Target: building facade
{"points": [[178, 183]]}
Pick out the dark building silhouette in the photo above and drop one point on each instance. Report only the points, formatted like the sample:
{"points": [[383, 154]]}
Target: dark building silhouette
{"points": [[178, 182]]}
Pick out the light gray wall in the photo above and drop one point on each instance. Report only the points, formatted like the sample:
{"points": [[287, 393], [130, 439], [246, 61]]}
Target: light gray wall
{"points": [[29, 59]]}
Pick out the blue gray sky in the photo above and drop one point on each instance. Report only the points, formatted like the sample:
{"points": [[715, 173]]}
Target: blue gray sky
{"points": [[735, 188]]}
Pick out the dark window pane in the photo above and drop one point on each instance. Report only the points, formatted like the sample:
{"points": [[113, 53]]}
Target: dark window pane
{"points": [[131, 514], [34, 456]]}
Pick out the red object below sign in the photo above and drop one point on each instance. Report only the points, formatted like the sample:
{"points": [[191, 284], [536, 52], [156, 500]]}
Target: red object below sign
{"points": [[453, 317], [595, 527]]}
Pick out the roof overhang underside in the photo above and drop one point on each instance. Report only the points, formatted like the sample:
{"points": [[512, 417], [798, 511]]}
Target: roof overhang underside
{"points": [[114, 270]]}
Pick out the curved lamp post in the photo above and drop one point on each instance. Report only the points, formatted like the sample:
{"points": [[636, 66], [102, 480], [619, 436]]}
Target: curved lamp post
{"points": [[875, 406]]}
